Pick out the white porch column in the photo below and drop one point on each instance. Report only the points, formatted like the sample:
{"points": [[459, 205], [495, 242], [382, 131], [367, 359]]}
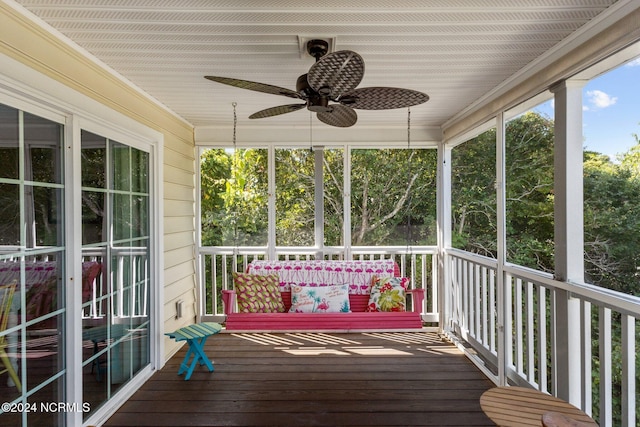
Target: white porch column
{"points": [[271, 239], [569, 237], [318, 156], [444, 235], [503, 303], [346, 231]]}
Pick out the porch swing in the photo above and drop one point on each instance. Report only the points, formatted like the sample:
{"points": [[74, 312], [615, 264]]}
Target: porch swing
{"points": [[322, 295]]}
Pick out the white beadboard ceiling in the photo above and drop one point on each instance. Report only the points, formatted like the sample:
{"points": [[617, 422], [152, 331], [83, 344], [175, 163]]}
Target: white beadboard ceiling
{"points": [[454, 50]]}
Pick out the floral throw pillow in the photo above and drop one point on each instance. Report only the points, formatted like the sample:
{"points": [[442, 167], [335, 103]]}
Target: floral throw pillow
{"points": [[257, 294], [320, 299], [388, 294]]}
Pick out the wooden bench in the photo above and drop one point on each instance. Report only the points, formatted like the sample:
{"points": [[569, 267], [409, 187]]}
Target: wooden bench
{"points": [[357, 319]]}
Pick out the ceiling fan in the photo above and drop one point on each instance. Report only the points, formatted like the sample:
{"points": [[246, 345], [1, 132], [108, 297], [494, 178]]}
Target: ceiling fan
{"points": [[329, 89]]}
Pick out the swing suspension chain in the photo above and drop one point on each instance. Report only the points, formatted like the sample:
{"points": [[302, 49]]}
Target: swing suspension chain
{"points": [[234, 176], [409, 200]]}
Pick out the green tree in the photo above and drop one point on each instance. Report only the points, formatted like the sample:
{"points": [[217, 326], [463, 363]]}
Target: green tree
{"points": [[233, 197], [215, 168], [393, 194], [529, 191], [612, 222], [295, 197], [473, 195]]}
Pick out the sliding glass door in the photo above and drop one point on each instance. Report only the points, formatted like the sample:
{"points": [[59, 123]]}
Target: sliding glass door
{"points": [[40, 255], [116, 244]]}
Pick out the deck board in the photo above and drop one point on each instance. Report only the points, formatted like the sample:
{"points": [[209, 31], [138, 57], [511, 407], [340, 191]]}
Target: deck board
{"points": [[306, 379]]}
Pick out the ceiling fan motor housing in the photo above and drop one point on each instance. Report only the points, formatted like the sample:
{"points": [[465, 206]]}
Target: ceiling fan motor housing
{"points": [[315, 102]]}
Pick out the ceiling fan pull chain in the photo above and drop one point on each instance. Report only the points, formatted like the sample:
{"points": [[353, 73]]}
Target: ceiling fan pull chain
{"points": [[310, 131]]}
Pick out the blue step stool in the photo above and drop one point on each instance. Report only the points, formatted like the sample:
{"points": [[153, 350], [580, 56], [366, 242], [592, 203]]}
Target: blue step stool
{"points": [[195, 335]]}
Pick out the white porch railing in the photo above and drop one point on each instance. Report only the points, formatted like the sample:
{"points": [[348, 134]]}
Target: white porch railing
{"points": [[533, 348], [216, 265]]}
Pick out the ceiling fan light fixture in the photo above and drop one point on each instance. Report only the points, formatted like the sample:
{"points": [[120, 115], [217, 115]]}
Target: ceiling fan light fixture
{"points": [[324, 91], [319, 104]]}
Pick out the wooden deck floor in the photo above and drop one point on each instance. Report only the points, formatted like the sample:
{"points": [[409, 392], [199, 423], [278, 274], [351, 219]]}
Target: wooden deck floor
{"points": [[315, 379]]}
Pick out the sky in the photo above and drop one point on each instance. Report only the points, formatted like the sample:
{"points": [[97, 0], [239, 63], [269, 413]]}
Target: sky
{"points": [[611, 110]]}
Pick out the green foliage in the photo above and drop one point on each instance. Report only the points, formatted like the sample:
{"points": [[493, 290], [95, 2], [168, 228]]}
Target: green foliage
{"points": [[611, 203], [393, 197], [473, 195], [529, 191], [234, 197], [295, 197], [612, 222], [215, 168]]}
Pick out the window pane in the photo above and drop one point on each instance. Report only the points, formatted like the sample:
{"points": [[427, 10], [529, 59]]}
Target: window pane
{"points": [[9, 154], [139, 216], [473, 195], [234, 197], [121, 164], [121, 217], [9, 214], [94, 159], [529, 190], [139, 171], [295, 197], [94, 196], [48, 213], [93, 225], [393, 197], [45, 294], [43, 149]]}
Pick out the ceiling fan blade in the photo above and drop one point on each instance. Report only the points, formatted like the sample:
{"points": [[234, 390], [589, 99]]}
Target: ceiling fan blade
{"points": [[276, 111], [382, 98], [336, 73], [339, 116], [258, 87]]}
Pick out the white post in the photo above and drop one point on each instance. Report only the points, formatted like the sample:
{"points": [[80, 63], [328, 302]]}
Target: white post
{"points": [[318, 156], [503, 300], [271, 239], [444, 235], [346, 231], [569, 238], [73, 224]]}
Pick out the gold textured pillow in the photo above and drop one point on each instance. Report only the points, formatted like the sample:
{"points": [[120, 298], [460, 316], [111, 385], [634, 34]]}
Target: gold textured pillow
{"points": [[257, 294]]}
